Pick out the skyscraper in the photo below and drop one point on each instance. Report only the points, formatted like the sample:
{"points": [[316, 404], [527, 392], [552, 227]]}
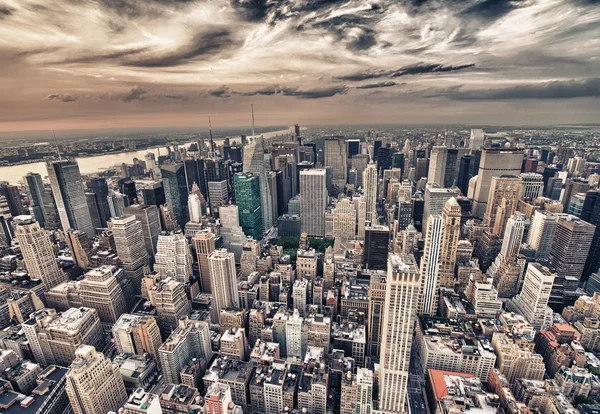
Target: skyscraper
{"points": [[430, 265], [477, 139], [494, 163], [94, 383], [335, 157], [173, 257], [377, 240], [101, 290], [149, 218], [69, 195], [370, 191], [176, 190], [344, 220], [204, 244], [248, 197], [35, 188], [437, 165], [313, 202], [254, 162], [38, 253], [435, 200], [129, 241], [223, 279], [532, 302], [451, 215], [99, 188], [137, 334], [504, 194], [533, 185], [400, 310], [541, 234]]}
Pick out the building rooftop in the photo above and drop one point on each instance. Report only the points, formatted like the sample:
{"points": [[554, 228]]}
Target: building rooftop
{"points": [[47, 381]]}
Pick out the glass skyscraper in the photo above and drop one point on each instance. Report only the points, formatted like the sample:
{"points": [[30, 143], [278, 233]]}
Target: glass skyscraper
{"points": [[247, 196]]}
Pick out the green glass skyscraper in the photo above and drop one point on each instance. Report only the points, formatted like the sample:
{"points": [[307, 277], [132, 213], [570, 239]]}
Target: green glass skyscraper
{"points": [[247, 197]]}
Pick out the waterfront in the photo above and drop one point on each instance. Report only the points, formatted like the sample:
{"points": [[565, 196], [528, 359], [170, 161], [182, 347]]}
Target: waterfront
{"points": [[93, 164]]}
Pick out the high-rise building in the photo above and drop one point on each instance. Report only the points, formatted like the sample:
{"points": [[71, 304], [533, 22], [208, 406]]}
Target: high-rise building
{"points": [[101, 290], [38, 253], [54, 337], [532, 302], [149, 217], [195, 207], [35, 190], [494, 163], [223, 280], [370, 192], [400, 310], [80, 247], [173, 257], [451, 215], [176, 191], [364, 391], [131, 247], [430, 265], [94, 383], [568, 255], [504, 194], [344, 220], [533, 185], [248, 198], [335, 157], [137, 334], [313, 201], [435, 200], [204, 244], [98, 187], [69, 196], [254, 162], [437, 165], [169, 298], [377, 241], [477, 139], [541, 234], [507, 268]]}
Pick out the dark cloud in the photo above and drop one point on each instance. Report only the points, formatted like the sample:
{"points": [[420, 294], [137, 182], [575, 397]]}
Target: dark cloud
{"points": [[206, 44], [492, 9], [221, 92], [421, 68], [547, 90], [361, 76], [365, 40], [315, 93], [137, 93], [62, 97], [385, 84], [173, 96], [104, 56], [5, 11]]}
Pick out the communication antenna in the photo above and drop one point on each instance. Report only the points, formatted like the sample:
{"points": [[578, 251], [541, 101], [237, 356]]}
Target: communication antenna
{"points": [[252, 109], [212, 145], [57, 148]]}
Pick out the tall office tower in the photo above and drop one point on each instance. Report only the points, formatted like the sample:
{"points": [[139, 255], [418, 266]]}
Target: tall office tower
{"points": [[94, 383], [437, 165], [430, 265], [54, 337], [223, 280], [13, 198], [170, 300], [248, 198], [218, 195], [377, 242], [549, 172], [69, 196], [116, 203], [352, 147], [377, 288], [507, 268], [453, 166], [401, 297], [313, 201], [299, 295], [190, 340], [541, 234], [568, 255], [100, 290], [90, 199], [494, 163], [533, 185], [554, 188], [335, 157], [80, 247], [451, 215], [576, 165], [51, 217], [137, 334], [532, 302], [295, 336], [35, 190], [370, 191], [149, 218], [99, 188], [505, 192], [38, 253], [477, 139], [435, 200], [254, 162], [344, 220], [173, 257], [573, 186], [364, 391], [204, 245], [195, 207], [176, 191], [131, 248]]}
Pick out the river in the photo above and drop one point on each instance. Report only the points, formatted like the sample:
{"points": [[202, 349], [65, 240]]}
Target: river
{"points": [[96, 163]]}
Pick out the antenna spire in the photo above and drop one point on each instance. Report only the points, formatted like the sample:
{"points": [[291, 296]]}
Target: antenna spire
{"points": [[57, 148], [252, 109], [212, 147]]}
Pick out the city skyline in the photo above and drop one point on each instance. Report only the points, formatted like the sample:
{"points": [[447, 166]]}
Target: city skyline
{"points": [[130, 63]]}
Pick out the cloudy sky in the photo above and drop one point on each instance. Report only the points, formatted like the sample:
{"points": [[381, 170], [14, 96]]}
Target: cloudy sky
{"points": [[127, 63]]}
